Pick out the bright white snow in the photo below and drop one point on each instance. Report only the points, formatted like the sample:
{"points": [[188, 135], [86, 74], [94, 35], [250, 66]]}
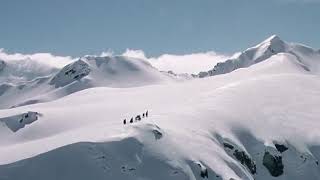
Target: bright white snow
{"points": [[196, 128]]}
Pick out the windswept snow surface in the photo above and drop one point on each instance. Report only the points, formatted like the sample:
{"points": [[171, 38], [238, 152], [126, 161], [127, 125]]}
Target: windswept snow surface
{"points": [[259, 122]]}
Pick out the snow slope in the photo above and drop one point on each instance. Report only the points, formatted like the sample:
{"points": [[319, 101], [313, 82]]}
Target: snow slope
{"points": [[259, 122], [21, 85]]}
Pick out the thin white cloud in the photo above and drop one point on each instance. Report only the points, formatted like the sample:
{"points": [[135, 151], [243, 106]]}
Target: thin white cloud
{"points": [[25, 67], [41, 58], [188, 63], [109, 52], [135, 54]]}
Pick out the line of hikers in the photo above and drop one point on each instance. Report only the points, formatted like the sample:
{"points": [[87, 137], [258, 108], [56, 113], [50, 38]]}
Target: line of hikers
{"points": [[137, 118]]}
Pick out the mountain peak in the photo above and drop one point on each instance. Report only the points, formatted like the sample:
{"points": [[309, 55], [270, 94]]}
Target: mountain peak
{"points": [[273, 38], [273, 41], [71, 72], [267, 48]]}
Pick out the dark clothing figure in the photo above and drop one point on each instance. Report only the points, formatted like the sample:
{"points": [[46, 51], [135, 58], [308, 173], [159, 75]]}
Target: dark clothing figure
{"points": [[138, 118], [131, 120], [147, 114], [143, 115], [124, 121]]}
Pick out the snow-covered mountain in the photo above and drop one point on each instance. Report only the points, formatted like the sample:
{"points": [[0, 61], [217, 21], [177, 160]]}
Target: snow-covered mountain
{"points": [[259, 122], [25, 83], [263, 51]]}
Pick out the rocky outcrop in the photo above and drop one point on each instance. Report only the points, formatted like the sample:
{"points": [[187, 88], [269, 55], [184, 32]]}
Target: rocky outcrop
{"points": [[241, 156], [200, 168], [18, 122], [245, 160], [273, 163], [70, 73], [280, 147], [157, 134]]}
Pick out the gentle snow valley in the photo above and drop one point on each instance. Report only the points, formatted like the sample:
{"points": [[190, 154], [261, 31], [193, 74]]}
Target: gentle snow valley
{"points": [[254, 116]]}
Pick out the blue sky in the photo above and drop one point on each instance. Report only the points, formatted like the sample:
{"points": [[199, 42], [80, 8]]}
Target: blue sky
{"points": [[79, 27]]}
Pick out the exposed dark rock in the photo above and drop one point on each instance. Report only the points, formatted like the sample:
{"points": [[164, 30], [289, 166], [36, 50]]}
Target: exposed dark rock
{"points": [[203, 171], [280, 147], [204, 174], [171, 72], [273, 163], [175, 172], [240, 155], [304, 158], [227, 145], [203, 74], [157, 134], [245, 160], [131, 169]]}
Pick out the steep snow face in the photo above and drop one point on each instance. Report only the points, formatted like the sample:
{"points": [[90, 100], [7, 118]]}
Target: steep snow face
{"points": [[306, 56], [262, 52], [72, 72]]}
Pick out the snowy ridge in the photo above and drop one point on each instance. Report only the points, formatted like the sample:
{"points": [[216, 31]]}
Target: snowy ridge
{"points": [[122, 71], [30, 85], [261, 52]]}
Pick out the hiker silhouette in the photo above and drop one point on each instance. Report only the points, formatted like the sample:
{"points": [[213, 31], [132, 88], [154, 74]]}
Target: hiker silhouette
{"points": [[138, 118]]}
